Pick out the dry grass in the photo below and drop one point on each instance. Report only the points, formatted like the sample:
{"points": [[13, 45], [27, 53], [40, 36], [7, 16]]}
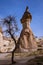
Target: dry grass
{"points": [[39, 52]]}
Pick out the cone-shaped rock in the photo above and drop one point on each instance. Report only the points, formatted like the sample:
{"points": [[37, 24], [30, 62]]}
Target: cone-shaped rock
{"points": [[27, 39]]}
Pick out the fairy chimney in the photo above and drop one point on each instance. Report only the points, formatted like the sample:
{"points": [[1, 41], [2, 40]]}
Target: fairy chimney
{"points": [[27, 39]]}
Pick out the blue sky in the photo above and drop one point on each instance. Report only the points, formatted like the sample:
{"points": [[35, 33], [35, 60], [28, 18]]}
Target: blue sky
{"points": [[17, 8]]}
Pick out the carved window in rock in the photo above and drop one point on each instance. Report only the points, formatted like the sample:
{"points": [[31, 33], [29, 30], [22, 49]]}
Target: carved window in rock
{"points": [[4, 45], [27, 34]]}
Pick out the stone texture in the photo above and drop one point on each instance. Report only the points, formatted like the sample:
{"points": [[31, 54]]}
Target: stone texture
{"points": [[6, 44], [27, 39]]}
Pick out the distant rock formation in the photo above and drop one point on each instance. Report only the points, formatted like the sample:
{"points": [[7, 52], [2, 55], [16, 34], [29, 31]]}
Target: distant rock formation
{"points": [[6, 44], [27, 39]]}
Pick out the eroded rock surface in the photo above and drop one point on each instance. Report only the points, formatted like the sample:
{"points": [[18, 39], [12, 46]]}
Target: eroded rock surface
{"points": [[27, 39]]}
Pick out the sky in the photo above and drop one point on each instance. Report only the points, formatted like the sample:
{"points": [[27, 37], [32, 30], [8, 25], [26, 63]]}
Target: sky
{"points": [[17, 7]]}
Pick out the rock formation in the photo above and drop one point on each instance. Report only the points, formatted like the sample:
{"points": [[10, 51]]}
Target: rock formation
{"points": [[6, 44], [27, 39]]}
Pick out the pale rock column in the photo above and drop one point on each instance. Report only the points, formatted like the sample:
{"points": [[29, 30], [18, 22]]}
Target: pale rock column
{"points": [[27, 39]]}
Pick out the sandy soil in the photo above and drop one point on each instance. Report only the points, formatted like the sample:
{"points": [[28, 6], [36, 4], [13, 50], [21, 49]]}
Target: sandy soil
{"points": [[4, 60]]}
